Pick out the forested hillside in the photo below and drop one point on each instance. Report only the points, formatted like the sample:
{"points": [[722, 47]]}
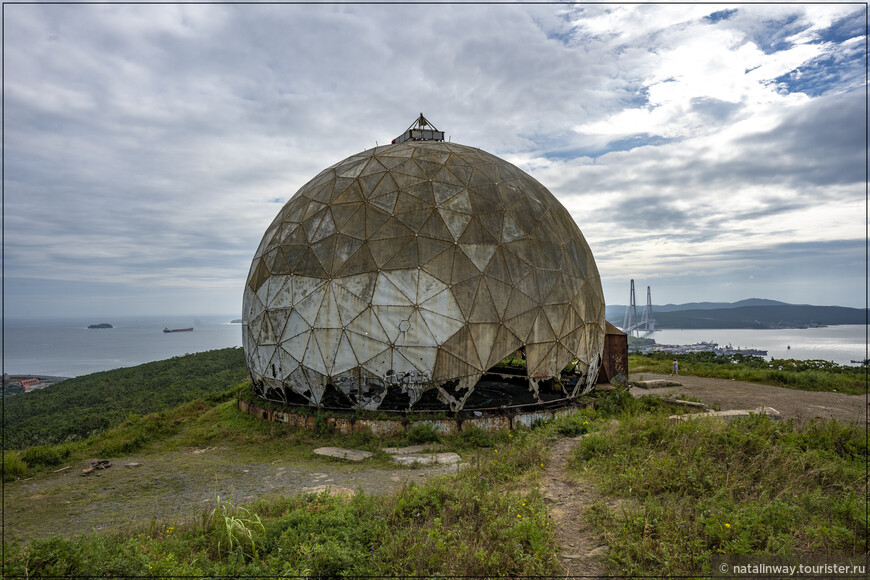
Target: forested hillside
{"points": [[755, 313], [79, 407], [784, 316]]}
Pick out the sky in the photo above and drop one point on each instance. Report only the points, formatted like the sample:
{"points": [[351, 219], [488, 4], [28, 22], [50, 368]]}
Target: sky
{"points": [[712, 152]]}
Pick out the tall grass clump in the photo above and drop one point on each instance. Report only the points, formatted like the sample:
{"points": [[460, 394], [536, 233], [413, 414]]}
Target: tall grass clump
{"points": [[13, 466], [691, 490]]}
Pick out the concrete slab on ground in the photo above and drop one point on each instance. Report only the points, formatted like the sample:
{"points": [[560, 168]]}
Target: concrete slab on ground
{"points": [[341, 453], [654, 384], [342, 491], [728, 415], [412, 449], [427, 458]]}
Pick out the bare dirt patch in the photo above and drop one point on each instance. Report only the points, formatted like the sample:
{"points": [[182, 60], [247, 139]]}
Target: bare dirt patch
{"points": [[791, 403], [168, 487]]}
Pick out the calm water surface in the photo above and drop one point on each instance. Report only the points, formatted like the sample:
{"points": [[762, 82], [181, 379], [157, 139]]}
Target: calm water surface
{"points": [[68, 348], [840, 344]]}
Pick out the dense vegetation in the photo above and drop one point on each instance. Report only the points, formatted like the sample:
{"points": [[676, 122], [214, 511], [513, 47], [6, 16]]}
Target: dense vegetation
{"points": [[806, 375], [82, 406], [695, 489]]}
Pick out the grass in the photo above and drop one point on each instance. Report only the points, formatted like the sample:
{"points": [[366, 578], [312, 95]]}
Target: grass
{"points": [[692, 490], [683, 492], [198, 423], [811, 375], [487, 520]]}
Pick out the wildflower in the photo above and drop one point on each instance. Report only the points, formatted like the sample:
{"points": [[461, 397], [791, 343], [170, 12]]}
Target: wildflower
{"points": [[727, 525], [496, 450], [519, 516]]}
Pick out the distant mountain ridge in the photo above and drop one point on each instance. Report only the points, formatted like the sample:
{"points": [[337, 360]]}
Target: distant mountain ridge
{"points": [[716, 305], [751, 313]]}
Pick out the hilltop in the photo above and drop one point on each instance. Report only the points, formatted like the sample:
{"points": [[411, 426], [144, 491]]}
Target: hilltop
{"points": [[204, 490]]}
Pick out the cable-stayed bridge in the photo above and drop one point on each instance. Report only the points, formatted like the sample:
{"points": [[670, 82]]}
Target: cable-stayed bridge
{"points": [[646, 323]]}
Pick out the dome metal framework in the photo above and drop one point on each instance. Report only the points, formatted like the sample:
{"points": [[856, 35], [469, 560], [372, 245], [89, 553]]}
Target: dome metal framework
{"points": [[402, 274]]}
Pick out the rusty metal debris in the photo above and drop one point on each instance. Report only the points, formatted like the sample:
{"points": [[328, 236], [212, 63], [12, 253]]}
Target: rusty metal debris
{"points": [[97, 465]]}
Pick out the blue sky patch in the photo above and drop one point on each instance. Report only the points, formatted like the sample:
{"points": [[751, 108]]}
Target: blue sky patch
{"points": [[720, 15]]}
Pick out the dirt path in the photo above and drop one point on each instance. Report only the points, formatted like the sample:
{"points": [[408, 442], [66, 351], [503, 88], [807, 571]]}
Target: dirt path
{"points": [[568, 499], [791, 403]]}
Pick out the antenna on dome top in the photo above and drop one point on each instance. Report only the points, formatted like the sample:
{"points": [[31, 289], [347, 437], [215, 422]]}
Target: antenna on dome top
{"points": [[420, 130]]}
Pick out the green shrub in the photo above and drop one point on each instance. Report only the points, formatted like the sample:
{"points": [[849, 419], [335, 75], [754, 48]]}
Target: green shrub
{"points": [[42, 455], [474, 437], [321, 425], [613, 403], [422, 433], [13, 466], [573, 425]]}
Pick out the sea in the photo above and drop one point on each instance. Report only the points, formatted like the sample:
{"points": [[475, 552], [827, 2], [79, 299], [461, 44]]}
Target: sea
{"points": [[841, 344], [68, 348]]}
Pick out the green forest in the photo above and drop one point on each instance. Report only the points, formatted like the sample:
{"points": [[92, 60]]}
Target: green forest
{"points": [[77, 408]]}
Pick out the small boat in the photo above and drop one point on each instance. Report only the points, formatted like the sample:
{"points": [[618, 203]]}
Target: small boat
{"points": [[178, 330]]}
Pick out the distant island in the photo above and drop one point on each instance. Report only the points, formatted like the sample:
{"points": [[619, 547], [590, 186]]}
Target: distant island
{"points": [[752, 313], [236, 321], [101, 325]]}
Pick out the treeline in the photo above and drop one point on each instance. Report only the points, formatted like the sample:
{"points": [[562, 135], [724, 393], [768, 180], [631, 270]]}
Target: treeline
{"points": [[82, 406], [780, 316]]}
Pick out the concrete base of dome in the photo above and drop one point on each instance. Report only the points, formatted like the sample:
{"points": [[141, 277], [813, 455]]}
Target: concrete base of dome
{"points": [[489, 420]]}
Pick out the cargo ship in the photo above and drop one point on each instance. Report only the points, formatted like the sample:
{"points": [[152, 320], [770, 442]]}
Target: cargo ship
{"points": [[178, 330]]}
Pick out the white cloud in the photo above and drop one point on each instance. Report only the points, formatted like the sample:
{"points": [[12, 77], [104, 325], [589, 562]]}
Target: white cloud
{"points": [[147, 144]]}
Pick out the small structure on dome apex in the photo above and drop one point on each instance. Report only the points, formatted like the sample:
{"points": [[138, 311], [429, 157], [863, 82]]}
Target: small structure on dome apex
{"points": [[420, 130]]}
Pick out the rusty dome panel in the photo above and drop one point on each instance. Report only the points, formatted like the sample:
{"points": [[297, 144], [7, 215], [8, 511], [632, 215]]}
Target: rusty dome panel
{"points": [[399, 276]]}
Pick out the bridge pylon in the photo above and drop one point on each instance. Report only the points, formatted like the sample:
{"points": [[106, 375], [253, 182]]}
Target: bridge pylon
{"points": [[631, 324]]}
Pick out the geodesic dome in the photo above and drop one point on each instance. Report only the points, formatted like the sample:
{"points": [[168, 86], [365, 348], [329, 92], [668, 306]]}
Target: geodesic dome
{"points": [[406, 272]]}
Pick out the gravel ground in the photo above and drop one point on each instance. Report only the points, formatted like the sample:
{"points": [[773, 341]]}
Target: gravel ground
{"points": [[791, 403]]}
